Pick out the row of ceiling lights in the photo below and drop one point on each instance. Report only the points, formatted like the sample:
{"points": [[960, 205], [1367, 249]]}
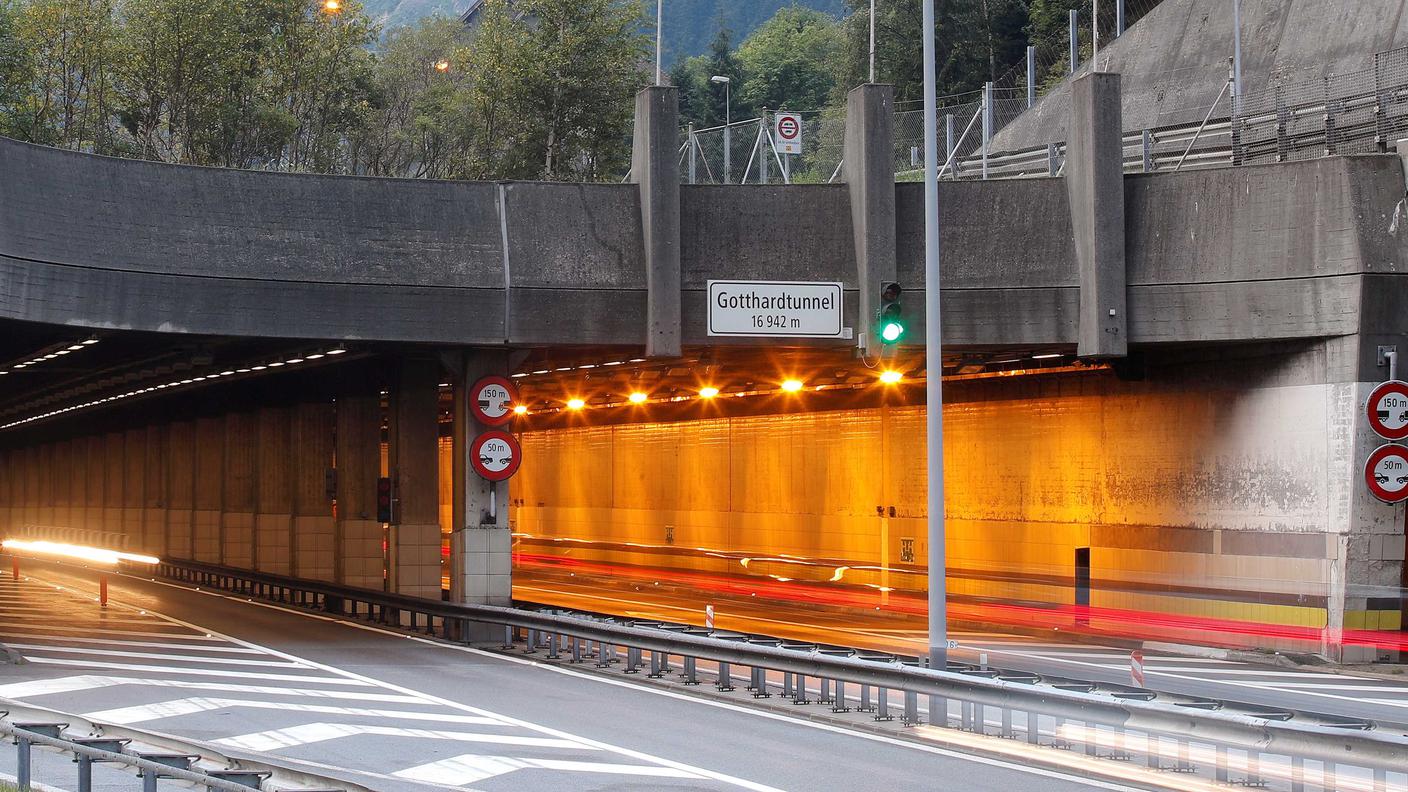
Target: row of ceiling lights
{"points": [[77, 346], [888, 377], [263, 366]]}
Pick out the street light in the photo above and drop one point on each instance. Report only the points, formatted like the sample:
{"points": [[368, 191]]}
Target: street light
{"points": [[728, 122]]}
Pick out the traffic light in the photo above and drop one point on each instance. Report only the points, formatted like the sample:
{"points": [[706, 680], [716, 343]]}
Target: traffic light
{"points": [[384, 513], [889, 325]]}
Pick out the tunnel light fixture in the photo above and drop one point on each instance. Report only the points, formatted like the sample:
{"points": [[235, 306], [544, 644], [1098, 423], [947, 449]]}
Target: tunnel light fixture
{"points": [[638, 398], [520, 409], [708, 392], [891, 377], [1046, 357], [337, 351], [575, 404], [294, 360], [95, 554], [792, 385]]}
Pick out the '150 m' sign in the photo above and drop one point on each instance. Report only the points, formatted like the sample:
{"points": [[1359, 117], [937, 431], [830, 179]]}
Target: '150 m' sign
{"points": [[775, 308]]}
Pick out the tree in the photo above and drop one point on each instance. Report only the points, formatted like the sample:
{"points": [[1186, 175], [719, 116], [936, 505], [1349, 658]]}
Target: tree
{"points": [[15, 76], [702, 101], [64, 52], [789, 61]]}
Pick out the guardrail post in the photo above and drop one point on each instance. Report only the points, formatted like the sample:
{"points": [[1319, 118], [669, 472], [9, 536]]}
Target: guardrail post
{"points": [[576, 649], [1033, 734], [632, 660], [1297, 774], [911, 708], [760, 683], [1007, 723], [553, 646], [690, 677], [824, 688], [725, 682], [1221, 772], [799, 692], [655, 671], [22, 766], [1147, 143], [1380, 779], [85, 773], [148, 781], [787, 684], [1327, 781], [508, 634], [838, 704], [864, 699], [882, 700]]}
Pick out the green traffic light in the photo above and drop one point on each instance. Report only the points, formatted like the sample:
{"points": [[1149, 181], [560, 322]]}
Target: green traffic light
{"points": [[891, 332]]}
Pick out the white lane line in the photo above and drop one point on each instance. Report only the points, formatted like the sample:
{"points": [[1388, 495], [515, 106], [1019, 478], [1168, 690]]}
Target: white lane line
{"points": [[1356, 688], [1252, 672], [143, 644], [182, 636], [151, 669], [472, 768], [307, 733], [826, 727], [155, 656], [426, 697], [45, 687], [187, 706]]}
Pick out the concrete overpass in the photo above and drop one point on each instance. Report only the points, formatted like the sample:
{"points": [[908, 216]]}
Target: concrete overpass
{"points": [[268, 344]]}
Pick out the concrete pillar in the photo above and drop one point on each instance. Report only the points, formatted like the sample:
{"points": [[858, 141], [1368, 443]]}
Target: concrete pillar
{"points": [[72, 470], [48, 474], [237, 516], [180, 488], [209, 498], [273, 516], [314, 528], [358, 465], [154, 498], [415, 468], [655, 168], [134, 483], [481, 545], [1095, 186], [870, 179]]}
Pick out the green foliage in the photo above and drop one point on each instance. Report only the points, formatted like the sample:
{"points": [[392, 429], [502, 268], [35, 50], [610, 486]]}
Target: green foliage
{"points": [[701, 101], [790, 61]]}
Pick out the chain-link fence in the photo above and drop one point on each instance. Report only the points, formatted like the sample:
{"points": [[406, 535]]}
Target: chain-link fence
{"points": [[747, 152]]}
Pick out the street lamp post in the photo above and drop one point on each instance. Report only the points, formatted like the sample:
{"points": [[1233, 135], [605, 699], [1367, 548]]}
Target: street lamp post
{"points": [[728, 123], [934, 360]]}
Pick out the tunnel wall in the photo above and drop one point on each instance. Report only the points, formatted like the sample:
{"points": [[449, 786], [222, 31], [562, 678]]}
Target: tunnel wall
{"points": [[1190, 505]]}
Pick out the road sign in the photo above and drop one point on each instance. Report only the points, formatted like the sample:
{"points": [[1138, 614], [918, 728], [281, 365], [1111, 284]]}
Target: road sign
{"points": [[708, 617], [1387, 409], [1386, 473], [789, 133], [1136, 668], [495, 455], [781, 309], [492, 399]]}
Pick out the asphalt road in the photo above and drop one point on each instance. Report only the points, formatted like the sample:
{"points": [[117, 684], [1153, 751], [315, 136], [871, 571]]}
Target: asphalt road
{"points": [[1375, 697], [404, 713]]}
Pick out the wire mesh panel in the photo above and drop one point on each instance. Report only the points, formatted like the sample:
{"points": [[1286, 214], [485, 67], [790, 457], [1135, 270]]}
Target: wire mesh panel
{"points": [[1391, 87]]}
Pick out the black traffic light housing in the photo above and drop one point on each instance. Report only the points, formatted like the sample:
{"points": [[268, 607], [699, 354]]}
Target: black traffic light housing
{"points": [[889, 319], [385, 501]]}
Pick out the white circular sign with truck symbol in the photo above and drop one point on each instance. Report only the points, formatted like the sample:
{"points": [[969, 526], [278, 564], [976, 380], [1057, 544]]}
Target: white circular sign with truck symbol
{"points": [[1386, 473], [495, 455], [1387, 410], [492, 399]]}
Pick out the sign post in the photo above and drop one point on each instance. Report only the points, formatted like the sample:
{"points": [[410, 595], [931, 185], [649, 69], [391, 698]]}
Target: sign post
{"points": [[781, 309]]}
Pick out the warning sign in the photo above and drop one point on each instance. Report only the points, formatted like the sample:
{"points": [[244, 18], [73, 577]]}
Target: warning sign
{"points": [[495, 455], [1386, 473], [789, 133], [1388, 410], [492, 399], [1136, 668]]}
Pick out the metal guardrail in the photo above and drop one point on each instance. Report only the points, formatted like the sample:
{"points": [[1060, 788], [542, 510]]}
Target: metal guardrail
{"points": [[1110, 716]]}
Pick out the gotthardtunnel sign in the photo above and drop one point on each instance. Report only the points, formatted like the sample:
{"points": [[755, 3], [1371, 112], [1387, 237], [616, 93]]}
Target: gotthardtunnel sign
{"points": [[781, 309]]}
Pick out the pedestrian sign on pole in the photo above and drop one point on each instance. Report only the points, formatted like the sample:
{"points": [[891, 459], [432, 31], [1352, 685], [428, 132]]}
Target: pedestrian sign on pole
{"points": [[1136, 668], [789, 133], [492, 399], [1387, 410], [495, 455], [1386, 473]]}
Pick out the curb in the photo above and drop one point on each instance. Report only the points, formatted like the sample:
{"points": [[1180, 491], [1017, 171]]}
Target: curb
{"points": [[9, 656]]}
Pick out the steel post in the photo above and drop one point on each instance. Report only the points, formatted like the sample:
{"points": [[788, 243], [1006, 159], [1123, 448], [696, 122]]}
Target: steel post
{"points": [[951, 143], [23, 773], [725, 682], [1119, 18], [911, 708], [933, 342], [1237, 58], [987, 125], [1075, 41], [800, 691], [693, 146], [1031, 76], [839, 702], [148, 781], [882, 705], [690, 677], [85, 773], [938, 711], [1147, 143]]}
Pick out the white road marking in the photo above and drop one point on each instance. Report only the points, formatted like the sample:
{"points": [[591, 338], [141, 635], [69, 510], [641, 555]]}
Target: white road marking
{"points": [[471, 768], [143, 644], [307, 733], [154, 656], [318, 680], [180, 636], [44, 687], [1357, 688], [187, 706]]}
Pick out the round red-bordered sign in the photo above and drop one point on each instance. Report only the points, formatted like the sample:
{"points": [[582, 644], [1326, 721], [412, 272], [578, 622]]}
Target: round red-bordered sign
{"points": [[495, 455], [492, 399], [1387, 410], [1386, 473], [788, 128]]}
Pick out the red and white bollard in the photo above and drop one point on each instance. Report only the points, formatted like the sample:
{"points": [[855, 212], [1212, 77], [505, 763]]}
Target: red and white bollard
{"points": [[1136, 668], [708, 617]]}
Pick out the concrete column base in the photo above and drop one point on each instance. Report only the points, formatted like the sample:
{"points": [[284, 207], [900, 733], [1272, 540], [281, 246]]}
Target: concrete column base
{"points": [[485, 570], [238, 541], [362, 561], [272, 536], [418, 568], [205, 535], [178, 533], [313, 547]]}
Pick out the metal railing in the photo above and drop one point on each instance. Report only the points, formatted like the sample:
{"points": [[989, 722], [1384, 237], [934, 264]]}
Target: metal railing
{"points": [[1216, 737], [166, 759]]}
